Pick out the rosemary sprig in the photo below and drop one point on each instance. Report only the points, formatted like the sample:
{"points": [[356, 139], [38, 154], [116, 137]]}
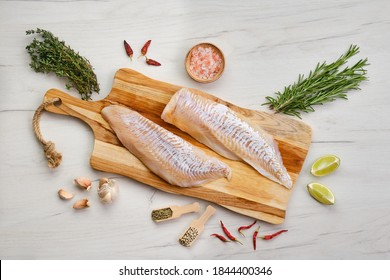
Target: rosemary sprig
{"points": [[325, 84], [50, 55]]}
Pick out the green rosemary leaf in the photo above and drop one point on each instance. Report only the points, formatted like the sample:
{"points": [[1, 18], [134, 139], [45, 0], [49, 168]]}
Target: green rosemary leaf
{"points": [[326, 83], [50, 55]]}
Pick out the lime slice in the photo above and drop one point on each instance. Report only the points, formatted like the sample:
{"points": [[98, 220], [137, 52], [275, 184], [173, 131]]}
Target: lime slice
{"points": [[325, 165], [321, 193]]}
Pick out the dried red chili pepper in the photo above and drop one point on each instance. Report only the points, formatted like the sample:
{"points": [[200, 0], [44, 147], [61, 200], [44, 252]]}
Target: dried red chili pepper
{"points": [[240, 229], [145, 48], [220, 237], [152, 62], [254, 237], [270, 236], [129, 50], [228, 234]]}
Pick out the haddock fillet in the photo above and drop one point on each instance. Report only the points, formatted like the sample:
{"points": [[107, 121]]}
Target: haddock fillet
{"points": [[167, 155], [221, 129]]}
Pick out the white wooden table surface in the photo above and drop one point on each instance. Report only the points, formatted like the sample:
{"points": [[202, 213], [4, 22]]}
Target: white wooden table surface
{"points": [[266, 44]]}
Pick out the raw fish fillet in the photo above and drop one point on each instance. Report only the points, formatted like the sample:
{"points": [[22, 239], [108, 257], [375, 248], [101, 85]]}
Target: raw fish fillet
{"points": [[221, 129], [164, 153]]}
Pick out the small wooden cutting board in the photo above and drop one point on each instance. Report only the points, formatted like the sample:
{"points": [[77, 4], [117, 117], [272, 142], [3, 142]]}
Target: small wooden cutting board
{"points": [[248, 193]]}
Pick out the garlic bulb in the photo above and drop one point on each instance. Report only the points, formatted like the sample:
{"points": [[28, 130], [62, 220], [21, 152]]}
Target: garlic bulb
{"points": [[107, 190]]}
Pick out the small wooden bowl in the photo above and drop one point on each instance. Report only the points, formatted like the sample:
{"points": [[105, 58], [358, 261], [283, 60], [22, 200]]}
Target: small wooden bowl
{"points": [[193, 75]]}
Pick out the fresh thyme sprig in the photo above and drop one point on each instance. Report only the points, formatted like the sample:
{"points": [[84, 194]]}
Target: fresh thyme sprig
{"points": [[325, 84], [50, 55]]}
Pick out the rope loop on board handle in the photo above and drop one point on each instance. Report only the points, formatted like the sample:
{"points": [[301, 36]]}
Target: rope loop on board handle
{"points": [[53, 157]]}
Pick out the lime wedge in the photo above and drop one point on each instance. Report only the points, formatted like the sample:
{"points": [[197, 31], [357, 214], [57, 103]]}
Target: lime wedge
{"points": [[321, 193], [325, 165]]}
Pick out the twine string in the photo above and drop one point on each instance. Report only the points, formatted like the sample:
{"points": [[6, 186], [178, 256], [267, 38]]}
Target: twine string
{"points": [[53, 157]]}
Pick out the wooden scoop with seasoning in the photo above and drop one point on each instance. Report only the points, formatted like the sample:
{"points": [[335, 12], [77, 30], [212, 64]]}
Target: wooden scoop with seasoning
{"points": [[196, 227], [173, 212]]}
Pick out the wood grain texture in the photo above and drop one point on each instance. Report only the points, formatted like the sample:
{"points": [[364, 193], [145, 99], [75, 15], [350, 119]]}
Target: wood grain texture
{"points": [[248, 193]]}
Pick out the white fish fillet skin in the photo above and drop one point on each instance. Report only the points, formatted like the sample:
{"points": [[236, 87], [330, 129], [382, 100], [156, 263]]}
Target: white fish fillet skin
{"points": [[165, 154], [222, 130]]}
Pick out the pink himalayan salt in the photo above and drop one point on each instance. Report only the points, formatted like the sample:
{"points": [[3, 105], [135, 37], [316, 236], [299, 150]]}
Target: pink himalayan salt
{"points": [[205, 62]]}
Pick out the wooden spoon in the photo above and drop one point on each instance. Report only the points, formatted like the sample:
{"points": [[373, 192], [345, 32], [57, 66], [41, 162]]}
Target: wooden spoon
{"points": [[196, 228], [173, 212]]}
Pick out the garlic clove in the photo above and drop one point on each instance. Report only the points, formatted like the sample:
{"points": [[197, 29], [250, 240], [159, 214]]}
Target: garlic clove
{"points": [[81, 204], [63, 194], [83, 183]]}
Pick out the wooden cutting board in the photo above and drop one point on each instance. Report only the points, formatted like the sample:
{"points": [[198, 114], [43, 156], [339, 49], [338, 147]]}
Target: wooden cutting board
{"points": [[248, 193]]}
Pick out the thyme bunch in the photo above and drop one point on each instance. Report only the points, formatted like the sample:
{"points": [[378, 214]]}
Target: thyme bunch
{"points": [[326, 83], [50, 55]]}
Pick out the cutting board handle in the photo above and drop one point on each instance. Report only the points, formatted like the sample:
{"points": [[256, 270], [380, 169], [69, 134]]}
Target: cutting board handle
{"points": [[59, 102], [87, 111]]}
